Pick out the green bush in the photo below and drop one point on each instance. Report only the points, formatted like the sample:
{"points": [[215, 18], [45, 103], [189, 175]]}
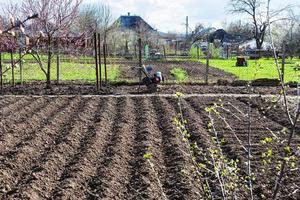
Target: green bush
{"points": [[179, 73], [193, 52], [215, 52]]}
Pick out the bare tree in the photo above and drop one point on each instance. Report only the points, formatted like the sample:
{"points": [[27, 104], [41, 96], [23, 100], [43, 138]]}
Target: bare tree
{"points": [[94, 18], [293, 35], [201, 33], [258, 15], [11, 11], [55, 19], [240, 28]]}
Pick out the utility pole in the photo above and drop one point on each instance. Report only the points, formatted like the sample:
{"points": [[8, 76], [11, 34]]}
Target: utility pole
{"points": [[186, 32], [187, 27]]}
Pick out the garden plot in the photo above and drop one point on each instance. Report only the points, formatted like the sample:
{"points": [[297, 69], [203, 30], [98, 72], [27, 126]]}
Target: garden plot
{"points": [[195, 71], [95, 147]]}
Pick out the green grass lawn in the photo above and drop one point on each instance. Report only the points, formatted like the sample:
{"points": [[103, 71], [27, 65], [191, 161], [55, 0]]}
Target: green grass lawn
{"points": [[69, 72], [64, 58], [263, 68]]}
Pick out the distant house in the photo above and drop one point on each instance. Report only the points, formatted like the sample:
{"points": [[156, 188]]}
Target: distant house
{"points": [[132, 22]]}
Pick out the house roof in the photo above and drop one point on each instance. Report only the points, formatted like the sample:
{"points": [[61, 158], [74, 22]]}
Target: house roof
{"points": [[132, 22]]}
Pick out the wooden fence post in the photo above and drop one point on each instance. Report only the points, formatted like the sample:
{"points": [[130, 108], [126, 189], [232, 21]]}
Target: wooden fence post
{"points": [[58, 67], [165, 55], [207, 63], [100, 64], [96, 61], [12, 67], [140, 61], [104, 54], [21, 66]]}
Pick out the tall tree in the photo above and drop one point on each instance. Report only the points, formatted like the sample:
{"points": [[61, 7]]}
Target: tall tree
{"points": [[55, 19], [95, 17], [241, 29], [258, 16]]}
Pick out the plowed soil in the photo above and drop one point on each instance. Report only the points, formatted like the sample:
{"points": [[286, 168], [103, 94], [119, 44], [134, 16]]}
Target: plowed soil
{"points": [[195, 71], [93, 147], [70, 88]]}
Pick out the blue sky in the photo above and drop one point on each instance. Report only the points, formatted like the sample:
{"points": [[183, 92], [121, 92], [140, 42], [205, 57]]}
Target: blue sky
{"points": [[169, 15]]}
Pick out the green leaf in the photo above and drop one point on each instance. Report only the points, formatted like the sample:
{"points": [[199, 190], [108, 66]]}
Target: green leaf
{"points": [[147, 155]]}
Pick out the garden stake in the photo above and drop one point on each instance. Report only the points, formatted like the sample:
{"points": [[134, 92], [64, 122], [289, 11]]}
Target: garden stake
{"points": [[96, 61]]}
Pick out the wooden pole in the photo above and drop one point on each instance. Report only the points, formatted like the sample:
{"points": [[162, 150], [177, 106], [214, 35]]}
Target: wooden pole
{"points": [[96, 61], [58, 63], [21, 66], [1, 75], [104, 55], [227, 52], [198, 52], [283, 61], [100, 64], [207, 63], [107, 50], [12, 67], [165, 55], [58, 67], [140, 61]]}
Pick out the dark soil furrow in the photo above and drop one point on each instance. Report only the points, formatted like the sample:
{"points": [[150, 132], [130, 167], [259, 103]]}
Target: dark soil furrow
{"points": [[16, 107], [96, 147], [153, 144], [26, 113], [5, 101], [84, 164], [221, 128], [16, 118], [110, 179], [68, 146], [20, 134], [139, 184], [260, 129], [176, 182], [199, 134], [276, 115], [17, 168], [156, 146]]}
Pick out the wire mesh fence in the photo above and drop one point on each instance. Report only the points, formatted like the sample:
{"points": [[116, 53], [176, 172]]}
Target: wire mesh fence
{"points": [[92, 61]]}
